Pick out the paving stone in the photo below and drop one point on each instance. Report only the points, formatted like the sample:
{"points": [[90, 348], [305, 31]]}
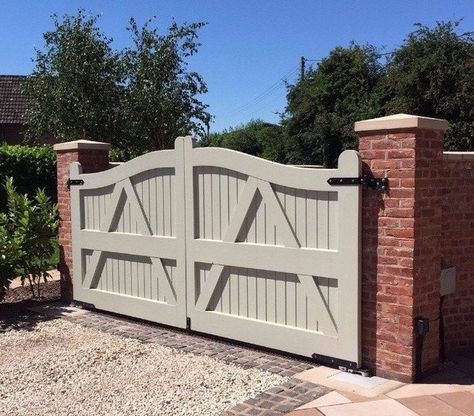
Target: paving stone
{"points": [[263, 396], [305, 412], [239, 408], [254, 411], [463, 401], [289, 393], [285, 407], [430, 405], [375, 407], [277, 399], [275, 390]]}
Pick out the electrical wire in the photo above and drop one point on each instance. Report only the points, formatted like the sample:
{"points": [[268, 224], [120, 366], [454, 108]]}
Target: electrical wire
{"points": [[272, 89]]}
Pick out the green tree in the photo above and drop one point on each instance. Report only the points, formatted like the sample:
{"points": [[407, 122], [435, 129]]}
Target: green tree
{"points": [[140, 98], [75, 88], [162, 95], [323, 107], [432, 74], [256, 138]]}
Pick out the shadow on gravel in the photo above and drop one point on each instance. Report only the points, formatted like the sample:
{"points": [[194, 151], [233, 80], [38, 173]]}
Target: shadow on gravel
{"points": [[16, 310], [16, 316]]}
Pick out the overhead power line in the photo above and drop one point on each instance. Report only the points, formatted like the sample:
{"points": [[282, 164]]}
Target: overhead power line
{"points": [[269, 91], [277, 85]]}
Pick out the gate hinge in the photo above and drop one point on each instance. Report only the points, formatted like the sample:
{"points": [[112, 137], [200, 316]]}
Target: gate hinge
{"points": [[380, 184], [72, 182]]}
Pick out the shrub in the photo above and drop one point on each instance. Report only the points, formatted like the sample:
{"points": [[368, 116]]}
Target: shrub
{"points": [[27, 238], [123, 155], [9, 255], [31, 167], [256, 138]]}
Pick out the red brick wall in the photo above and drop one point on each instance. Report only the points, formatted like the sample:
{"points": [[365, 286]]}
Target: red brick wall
{"points": [[91, 161], [400, 232], [428, 219], [458, 251]]}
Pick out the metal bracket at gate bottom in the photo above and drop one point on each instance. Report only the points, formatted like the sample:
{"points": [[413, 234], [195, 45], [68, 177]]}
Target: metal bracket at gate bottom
{"points": [[343, 365], [380, 184], [333, 362]]}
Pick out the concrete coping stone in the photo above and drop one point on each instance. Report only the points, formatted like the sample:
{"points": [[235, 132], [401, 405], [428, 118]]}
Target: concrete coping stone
{"points": [[401, 121], [459, 155], [81, 145]]}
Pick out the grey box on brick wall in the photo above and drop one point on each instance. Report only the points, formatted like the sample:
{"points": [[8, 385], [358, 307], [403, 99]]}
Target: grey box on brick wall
{"points": [[447, 281]]}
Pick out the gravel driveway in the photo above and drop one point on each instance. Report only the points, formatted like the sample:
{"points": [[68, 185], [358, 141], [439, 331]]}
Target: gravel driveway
{"points": [[61, 368]]}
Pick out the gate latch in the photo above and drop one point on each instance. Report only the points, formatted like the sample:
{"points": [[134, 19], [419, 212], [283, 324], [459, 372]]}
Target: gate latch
{"points": [[380, 184], [72, 182]]}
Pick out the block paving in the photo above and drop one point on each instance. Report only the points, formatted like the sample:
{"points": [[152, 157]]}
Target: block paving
{"points": [[296, 397], [275, 401], [449, 392], [193, 343]]}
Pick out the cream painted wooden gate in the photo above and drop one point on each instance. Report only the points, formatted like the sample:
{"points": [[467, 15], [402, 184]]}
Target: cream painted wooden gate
{"points": [[128, 237], [238, 246]]}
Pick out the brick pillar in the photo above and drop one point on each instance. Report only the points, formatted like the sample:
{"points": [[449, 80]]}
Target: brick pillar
{"points": [[94, 157], [401, 242]]}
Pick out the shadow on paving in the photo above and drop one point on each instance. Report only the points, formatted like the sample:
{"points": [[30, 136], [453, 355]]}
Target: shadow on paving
{"points": [[456, 370]]}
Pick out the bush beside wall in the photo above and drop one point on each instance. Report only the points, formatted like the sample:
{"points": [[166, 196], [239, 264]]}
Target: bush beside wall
{"points": [[31, 167]]}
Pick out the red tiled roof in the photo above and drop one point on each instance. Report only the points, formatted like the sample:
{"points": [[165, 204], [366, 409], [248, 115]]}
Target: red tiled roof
{"points": [[13, 103]]}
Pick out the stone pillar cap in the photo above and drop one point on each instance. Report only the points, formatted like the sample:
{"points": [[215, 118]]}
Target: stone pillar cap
{"points": [[401, 121], [81, 145]]}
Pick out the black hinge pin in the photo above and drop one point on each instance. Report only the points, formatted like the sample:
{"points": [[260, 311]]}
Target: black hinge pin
{"points": [[73, 182]]}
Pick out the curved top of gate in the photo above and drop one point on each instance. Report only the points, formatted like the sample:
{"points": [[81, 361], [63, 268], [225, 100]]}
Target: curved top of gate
{"points": [[185, 153]]}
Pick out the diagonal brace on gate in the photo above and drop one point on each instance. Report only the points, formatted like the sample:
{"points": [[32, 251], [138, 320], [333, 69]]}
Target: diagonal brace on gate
{"points": [[275, 210], [124, 191]]}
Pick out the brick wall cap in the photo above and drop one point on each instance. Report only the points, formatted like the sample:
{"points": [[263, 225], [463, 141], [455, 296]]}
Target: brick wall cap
{"points": [[401, 121], [459, 155], [81, 144]]}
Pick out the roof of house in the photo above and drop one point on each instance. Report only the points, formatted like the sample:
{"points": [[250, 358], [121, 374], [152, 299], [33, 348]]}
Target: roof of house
{"points": [[13, 103]]}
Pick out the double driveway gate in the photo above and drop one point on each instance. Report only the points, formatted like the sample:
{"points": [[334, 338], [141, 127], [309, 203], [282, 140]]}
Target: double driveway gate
{"points": [[230, 244]]}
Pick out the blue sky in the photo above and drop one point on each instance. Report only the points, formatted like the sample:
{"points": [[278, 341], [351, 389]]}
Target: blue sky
{"points": [[248, 45]]}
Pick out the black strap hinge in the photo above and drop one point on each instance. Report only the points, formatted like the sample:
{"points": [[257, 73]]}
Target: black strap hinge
{"points": [[380, 184], [72, 182]]}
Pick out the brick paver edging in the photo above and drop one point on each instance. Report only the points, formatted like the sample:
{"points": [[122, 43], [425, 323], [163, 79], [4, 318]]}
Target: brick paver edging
{"points": [[280, 399], [275, 401]]}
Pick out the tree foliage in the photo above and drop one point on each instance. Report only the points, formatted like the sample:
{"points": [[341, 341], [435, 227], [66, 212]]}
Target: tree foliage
{"points": [[141, 97], [432, 74], [256, 138], [323, 106], [75, 88], [144, 96], [161, 96]]}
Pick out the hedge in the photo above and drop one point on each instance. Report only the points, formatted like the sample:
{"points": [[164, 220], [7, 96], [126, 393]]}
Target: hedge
{"points": [[34, 167], [31, 168]]}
